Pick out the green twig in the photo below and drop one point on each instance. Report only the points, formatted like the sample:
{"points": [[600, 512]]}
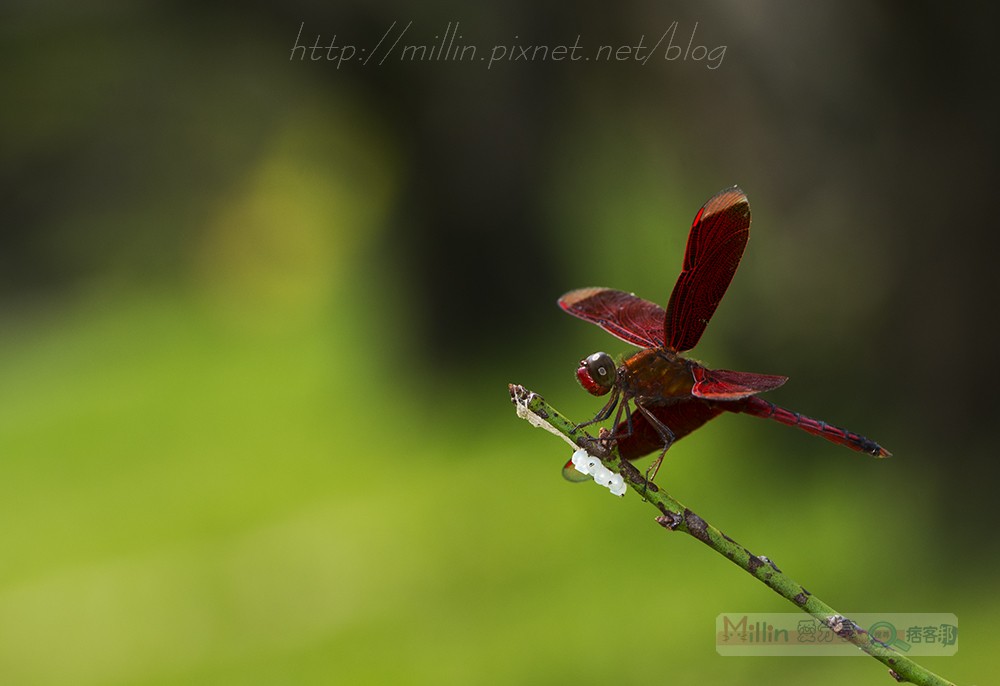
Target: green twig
{"points": [[675, 516]]}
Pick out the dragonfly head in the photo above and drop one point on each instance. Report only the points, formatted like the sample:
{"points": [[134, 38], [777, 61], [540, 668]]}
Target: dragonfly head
{"points": [[597, 373]]}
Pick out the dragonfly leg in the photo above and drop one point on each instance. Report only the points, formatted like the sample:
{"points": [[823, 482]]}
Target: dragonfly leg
{"points": [[665, 433], [622, 408], [605, 411], [628, 421]]}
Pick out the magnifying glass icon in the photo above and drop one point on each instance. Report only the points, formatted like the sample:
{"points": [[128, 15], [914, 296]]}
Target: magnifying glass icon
{"points": [[885, 632]]}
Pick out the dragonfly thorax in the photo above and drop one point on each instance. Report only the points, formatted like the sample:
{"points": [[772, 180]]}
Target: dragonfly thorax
{"points": [[657, 375]]}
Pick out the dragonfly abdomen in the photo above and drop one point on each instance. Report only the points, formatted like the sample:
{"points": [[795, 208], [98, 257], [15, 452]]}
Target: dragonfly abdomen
{"points": [[762, 408]]}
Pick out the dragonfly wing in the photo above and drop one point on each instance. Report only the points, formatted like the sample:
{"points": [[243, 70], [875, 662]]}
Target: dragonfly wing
{"points": [[681, 418], [722, 384], [570, 473], [621, 314], [715, 246]]}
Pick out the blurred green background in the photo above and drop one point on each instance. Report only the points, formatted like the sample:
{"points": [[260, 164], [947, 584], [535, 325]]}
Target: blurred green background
{"points": [[258, 314]]}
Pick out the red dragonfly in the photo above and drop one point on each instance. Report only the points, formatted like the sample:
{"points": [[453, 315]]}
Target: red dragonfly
{"points": [[673, 395]]}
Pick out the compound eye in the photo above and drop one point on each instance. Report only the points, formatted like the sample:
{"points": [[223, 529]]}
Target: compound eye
{"points": [[597, 373]]}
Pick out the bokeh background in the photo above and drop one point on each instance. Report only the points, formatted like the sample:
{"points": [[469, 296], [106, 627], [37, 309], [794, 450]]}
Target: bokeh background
{"points": [[258, 314]]}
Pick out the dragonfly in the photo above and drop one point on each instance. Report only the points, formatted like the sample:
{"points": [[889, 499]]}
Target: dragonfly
{"points": [[657, 395]]}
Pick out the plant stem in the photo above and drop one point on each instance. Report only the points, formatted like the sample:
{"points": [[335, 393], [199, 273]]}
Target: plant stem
{"points": [[675, 516]]}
